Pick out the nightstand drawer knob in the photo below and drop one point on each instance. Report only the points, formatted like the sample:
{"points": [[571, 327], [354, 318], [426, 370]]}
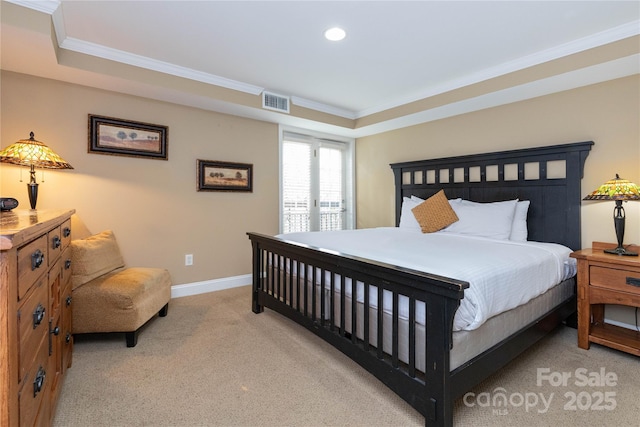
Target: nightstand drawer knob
{"points": [[633, 281]]}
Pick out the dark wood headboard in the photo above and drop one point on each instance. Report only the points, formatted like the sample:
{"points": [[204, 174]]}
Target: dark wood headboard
{"points": [[547, 176]]}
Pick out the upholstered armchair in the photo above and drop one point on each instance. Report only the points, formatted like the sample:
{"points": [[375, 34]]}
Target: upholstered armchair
{"points": [[110, 297]]}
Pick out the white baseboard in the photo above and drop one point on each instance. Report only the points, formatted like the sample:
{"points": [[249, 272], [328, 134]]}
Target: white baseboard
{"points": [[196, 288], [621, 324]]}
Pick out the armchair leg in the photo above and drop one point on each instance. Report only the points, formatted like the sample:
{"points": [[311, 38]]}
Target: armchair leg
{"points": [[163, 311], [132, 338]]}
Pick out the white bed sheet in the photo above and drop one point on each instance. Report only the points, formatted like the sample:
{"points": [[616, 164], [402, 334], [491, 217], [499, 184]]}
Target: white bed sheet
{"points": [[502, 274]]}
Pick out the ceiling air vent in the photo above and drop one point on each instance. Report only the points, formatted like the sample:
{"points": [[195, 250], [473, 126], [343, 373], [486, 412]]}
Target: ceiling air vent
{"points": [[271, 101]]}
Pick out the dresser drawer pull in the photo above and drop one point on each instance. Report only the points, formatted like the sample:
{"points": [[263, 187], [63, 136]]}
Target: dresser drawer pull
{"points": [[38, 315], [66, 232], [67, 338], [68, 300], [67, 264], [633, 281], [37, 258], [38, 382], [56, 242]]}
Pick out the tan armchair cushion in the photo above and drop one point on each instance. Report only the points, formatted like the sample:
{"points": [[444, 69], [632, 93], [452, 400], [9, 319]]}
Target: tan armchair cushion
{"points": [[120, 301], [94, 256]]}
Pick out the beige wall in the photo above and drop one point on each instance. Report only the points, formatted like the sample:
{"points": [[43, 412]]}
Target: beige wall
{"points": [[606, 113], [152, 205]]}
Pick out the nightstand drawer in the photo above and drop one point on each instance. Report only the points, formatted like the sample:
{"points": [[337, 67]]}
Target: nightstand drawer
{"points": [[615, 279]]}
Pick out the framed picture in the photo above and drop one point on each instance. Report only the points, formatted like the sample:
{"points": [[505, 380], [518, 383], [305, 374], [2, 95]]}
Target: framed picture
{"points": [[126, 138], [224, 176]]}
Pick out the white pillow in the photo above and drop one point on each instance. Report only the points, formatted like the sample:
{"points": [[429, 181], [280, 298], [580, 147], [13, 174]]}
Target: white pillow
{"points": [[493, 220], [519, 230], [519, 226], [407, 219]]}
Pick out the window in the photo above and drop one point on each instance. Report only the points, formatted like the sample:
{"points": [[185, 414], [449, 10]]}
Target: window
{"points": [[316, 183]]}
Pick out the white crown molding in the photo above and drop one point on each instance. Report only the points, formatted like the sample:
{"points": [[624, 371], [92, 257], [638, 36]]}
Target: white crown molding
{"points": [[599, 39], [104, 52], [611, 70], [58, 25], [45, 6], [323, 108]]}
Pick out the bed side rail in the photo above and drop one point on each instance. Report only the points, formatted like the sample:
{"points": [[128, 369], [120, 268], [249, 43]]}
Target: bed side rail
{"points": [[282, 272]]}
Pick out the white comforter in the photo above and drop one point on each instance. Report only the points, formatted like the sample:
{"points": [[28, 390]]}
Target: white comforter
{"points": [[502, 274]]}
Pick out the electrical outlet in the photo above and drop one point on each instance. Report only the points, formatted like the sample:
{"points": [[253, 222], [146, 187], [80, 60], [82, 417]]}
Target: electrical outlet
{"points": [[188, 259]]}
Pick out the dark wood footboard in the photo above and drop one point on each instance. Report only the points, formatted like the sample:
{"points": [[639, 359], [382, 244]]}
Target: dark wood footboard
{"points": [[430, 391]]}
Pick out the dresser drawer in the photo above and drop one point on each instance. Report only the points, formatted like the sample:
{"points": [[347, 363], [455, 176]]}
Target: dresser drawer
{"points": [[54, 244], [33, 325], [624, 280], [32, 263], [66, 267], [34, 389], [65, 230]]}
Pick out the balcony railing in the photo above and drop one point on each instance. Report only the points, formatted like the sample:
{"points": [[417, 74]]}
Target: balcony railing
{"points": [[300, 221]]}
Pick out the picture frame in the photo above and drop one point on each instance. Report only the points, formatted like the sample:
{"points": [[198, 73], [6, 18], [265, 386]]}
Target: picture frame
{"points": [[118, 137], [215, 175]]}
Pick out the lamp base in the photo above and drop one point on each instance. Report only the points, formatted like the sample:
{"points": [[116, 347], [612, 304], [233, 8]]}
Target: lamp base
{"points": [[32, 188], [620, 251]]}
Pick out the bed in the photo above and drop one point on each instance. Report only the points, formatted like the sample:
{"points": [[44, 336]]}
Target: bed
{"points": [[423, 356]]}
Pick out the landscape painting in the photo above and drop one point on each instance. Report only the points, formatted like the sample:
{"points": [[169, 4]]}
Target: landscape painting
{"points": [[126, 138], [224, 176]]}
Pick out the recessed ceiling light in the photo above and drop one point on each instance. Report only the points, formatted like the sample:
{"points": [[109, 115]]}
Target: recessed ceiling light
{"points": [[335, 34]]}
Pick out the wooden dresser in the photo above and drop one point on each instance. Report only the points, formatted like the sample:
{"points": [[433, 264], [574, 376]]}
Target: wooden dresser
{"points": [[35, 313]]}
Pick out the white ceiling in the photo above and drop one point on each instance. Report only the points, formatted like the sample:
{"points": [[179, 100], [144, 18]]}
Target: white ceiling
{"points": [[395, 52]]}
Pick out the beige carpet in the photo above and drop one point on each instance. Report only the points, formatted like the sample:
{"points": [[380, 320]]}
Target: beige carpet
{"points": [[212, 362]]}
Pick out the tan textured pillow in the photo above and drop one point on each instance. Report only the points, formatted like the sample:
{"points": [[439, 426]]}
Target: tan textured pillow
{"points": [[435, 213], [94, 256]]}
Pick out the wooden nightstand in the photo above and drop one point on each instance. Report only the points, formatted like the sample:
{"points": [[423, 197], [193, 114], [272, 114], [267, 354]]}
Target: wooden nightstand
{"points": [[606, 279]]}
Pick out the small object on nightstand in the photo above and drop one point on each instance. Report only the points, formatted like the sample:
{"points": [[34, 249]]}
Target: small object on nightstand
{"points": [[605, 278], [8, 203]]}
